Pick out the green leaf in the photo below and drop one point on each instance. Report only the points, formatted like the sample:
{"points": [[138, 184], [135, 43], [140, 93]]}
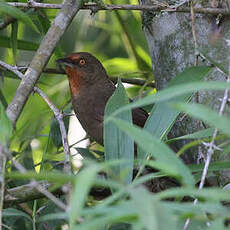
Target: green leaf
{"points": [[21, 44], [55, 176], [91, 154], [14, 41], [83, 183], [117, 144], [6, 128], [86, 153], [198, 209], [53, 216], [196, 135], [211, 194], [165, 158], [175, 91], [3, 99], [55, 132], [214, 63], [207, 115], [18, 14], [120, 65], [45, 23], [162, 116], [96, 218], [15, 212], [144, 56], [219, 224], [214, 166], [152, 214]]}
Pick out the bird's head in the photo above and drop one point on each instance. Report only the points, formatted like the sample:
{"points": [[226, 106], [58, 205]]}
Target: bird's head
{"points": [[82, 69]]}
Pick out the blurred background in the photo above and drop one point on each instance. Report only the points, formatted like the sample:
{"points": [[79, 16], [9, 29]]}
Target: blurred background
{"points": [[115, 38]]}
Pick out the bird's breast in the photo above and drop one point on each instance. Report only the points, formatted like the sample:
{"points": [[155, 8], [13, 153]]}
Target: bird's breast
{"points": [[75, 80]]}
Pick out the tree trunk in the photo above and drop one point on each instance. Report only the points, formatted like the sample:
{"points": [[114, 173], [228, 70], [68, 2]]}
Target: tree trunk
{"points": [[171, 45]]}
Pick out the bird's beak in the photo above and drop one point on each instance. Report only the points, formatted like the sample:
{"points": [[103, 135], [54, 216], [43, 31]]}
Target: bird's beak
{"points": [[65, 61]]}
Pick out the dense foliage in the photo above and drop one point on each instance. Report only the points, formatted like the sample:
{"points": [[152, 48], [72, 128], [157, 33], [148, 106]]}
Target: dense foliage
{"points": [[128, 197]]}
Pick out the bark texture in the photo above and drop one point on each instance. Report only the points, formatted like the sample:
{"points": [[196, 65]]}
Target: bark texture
{"points": [[171, 45]]}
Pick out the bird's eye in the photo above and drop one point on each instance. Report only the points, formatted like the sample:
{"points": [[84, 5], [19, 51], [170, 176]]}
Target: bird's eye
{"points": [[82, 62]]}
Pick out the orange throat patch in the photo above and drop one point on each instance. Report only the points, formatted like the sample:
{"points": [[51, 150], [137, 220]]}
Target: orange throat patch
{"points": [[74, 77]]}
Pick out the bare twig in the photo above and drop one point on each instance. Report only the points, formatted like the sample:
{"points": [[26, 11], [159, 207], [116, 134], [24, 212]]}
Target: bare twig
{"points": [[33, 4], [196, 54], [27, 192], [12, 69], [59, 116], [39, 187], [49, 42], [153, 7], [35, 184], [194, 33]]}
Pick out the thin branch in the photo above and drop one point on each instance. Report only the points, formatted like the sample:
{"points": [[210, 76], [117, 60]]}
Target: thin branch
{"points": [[59, 116], [12, 69], [27, 192], [37, 5], [39, 187], [94, 8], [194, 33], [49, 42], [35, 184], [196, 54]]}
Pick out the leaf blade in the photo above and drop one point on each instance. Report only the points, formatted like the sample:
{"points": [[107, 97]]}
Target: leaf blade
{"points": [[18, 14], [166, 159], [6, 128], [117, 144], [162, 116], [203, 113]]}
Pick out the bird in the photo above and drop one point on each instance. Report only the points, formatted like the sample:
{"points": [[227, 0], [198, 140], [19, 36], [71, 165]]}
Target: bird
{"points": [[90, 89]]}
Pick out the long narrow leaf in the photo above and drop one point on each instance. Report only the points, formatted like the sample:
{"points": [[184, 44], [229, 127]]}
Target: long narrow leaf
{"points": [[175, 91], [165, 158], [162, 116], [204, 133], [83, 182], [18, 14], [3, 99], [14, 41], [212, 194], [21, 44], [5, 126], [207, 115], [15, 212], [118, 145], [152, 213]]}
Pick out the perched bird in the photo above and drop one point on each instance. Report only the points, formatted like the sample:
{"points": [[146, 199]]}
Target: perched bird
{"points": [[90, 89]]}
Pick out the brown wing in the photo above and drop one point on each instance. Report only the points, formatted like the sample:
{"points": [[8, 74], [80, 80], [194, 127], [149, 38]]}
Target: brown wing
{"points": [[139, 116]]}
